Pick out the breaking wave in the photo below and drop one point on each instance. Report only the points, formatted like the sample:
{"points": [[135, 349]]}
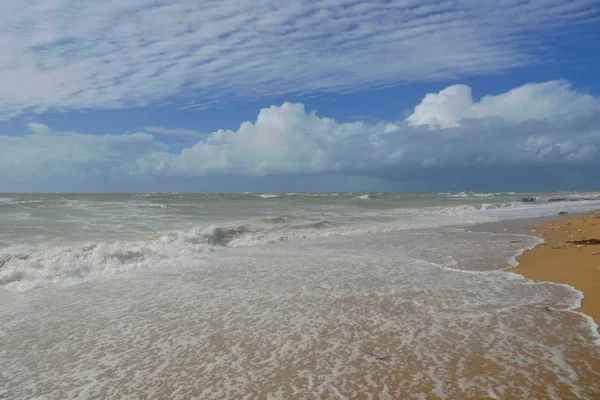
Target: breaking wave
{"points": [[24, 266], [566, 198], [476, 194]]}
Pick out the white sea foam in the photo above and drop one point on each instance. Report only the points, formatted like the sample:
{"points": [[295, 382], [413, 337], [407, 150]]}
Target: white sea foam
{"points": [[13, 201], [151, 205], [25, 266], [300, 319], [485, 194], [518, 209], [28, 267], [460, 194], [225, 296]]}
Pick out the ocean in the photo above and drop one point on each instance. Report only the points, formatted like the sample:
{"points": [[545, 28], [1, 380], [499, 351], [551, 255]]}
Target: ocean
{"points": [[285, 295]]}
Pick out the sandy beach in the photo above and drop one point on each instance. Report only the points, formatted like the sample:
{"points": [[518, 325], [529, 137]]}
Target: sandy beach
{"points": [[568, 256]]}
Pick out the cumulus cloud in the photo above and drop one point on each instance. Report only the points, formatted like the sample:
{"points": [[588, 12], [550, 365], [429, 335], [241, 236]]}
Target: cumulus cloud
{"points": [[283, 139], [66, 55], [534, 101], [549, 124], [538, 123]]}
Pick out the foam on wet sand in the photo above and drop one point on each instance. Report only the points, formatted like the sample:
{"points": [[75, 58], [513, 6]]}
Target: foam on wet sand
{"points": [[380, 301], [567, 257]]}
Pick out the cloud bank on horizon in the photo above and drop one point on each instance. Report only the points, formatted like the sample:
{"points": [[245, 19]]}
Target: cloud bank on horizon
{"points": [[81, 55], [536, 124]]}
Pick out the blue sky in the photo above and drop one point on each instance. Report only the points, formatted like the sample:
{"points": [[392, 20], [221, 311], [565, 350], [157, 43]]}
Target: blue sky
{"points": [[231, 95]]}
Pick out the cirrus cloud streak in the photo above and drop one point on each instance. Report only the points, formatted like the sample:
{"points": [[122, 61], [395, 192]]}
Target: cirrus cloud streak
{"points": [[70, 55]]}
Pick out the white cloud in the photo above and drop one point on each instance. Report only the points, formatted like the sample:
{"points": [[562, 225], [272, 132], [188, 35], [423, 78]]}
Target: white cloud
{"points": [[38, 128], [536, 123], [87, 54], [65, 154], [283, 139], [533, 101], [444, 109], [288, 140]]}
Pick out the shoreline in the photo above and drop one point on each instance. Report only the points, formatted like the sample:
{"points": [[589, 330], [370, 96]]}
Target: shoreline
{"points": [[566, 258]]}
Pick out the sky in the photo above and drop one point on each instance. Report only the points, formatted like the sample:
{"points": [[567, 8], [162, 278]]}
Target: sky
{"points": [[306, 95]]}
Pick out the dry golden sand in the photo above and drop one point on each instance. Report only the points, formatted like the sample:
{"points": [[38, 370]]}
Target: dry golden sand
{"points": [[558, 260]]}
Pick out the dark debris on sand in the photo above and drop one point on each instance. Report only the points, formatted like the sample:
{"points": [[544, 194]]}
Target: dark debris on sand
{"points": [[585, 241]]}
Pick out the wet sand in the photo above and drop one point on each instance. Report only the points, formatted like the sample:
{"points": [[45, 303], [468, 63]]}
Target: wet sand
{"points": [[562, 260], [162, 340]]}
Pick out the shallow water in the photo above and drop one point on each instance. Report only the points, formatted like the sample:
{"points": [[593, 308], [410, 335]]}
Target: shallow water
{"points": [[329, 296]]}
